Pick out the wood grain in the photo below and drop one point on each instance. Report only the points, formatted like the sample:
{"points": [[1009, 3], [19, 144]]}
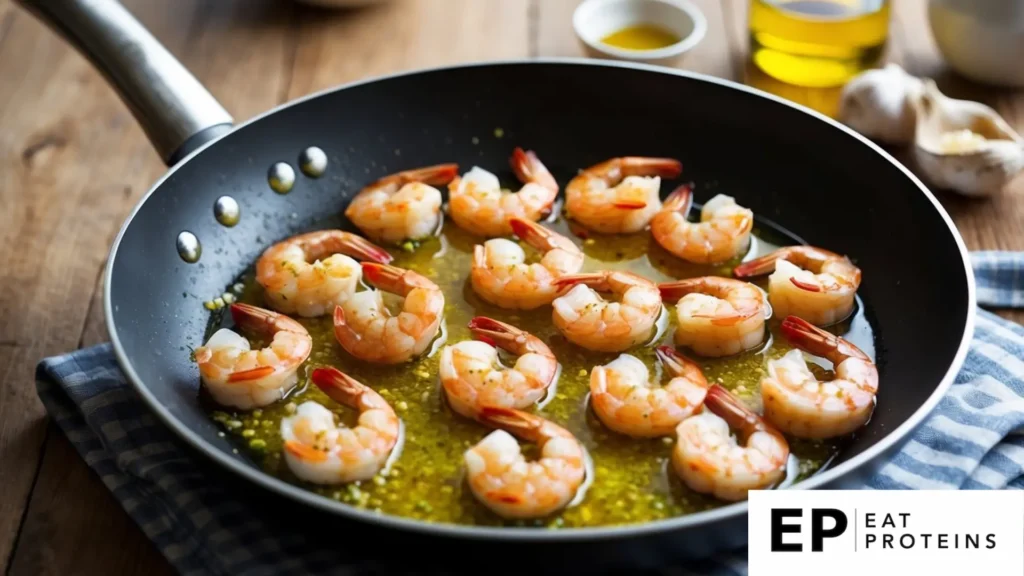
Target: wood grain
{"points": [[336, 47], [67, 173], [105, 166], [73, 162]]}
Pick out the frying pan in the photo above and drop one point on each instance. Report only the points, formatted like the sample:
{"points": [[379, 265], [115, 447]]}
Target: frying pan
{"points": [[789, 164]]}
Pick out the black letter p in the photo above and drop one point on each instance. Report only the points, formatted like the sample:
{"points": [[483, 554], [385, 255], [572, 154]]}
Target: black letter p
{"points": [[818, 532]]}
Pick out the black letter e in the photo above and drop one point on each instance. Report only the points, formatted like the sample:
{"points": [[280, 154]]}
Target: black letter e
{"points": [[779, 528]]}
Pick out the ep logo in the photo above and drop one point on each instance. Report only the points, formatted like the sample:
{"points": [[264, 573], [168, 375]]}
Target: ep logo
{"points": [[822, 523], [857, 532]]}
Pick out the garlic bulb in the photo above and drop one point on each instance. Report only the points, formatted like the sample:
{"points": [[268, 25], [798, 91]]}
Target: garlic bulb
{"points": [[880, 104], [964, 146]]}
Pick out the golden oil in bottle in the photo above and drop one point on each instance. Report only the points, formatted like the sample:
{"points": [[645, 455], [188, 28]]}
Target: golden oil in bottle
{"points": [[817, 43]]}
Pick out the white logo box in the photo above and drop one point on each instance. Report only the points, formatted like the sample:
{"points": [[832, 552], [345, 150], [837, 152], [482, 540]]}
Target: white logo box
{"points": [[928, 532]]}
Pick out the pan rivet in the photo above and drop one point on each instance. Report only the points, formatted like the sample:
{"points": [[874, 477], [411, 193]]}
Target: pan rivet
{"points": [[313, 162], [188, 247], [226, 211], [281, 177]]}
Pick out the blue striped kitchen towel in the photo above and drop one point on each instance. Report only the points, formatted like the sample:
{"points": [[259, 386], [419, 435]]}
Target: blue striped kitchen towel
{"points": [[203, 521]]}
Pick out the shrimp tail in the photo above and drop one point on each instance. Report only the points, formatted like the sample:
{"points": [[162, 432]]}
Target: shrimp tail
{"points": [[253, 374], [721, 402], [532, 233], [678, 364], [596, 280], [529, 168], [643, 166], [437, 175], [363, 249], [342, 331], [394, 279], [250, 317], [516, 422], [498, 333], [814, 340], [673, 291], [680, 200], [805, 285], [263, 321], [760, 266], [574, 279], [339, 386]]}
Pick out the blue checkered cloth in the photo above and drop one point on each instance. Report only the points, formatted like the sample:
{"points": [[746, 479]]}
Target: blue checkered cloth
{"points": [[204, 523]]}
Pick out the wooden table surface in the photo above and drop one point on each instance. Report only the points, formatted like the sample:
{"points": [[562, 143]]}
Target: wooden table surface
{"points": [[73, 163]]}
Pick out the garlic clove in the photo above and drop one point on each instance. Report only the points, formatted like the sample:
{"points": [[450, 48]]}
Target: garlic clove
{"points": [[964, 146], [879, 104]]}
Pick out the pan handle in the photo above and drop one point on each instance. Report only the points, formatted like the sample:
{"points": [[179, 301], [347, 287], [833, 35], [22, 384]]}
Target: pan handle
{"points": [[176, 112]]}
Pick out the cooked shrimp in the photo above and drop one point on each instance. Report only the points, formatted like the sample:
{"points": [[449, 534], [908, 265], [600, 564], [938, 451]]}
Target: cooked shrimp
{"points": [[627, 402], [401, 206], [243, 378], [501, 478], [473, 377], [717, 316], [723, 232], [587, 320], [621, 195], [501, 276], [318, 450], [477, 203], [711, 461], [814, 284], [366, 329], [798, 404], [310, 274]]}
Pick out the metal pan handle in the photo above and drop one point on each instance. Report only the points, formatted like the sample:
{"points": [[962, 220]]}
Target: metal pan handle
{"points": [[177, 114]]}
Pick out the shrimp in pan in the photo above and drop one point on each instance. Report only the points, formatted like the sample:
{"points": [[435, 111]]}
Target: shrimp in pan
{"points": [[798, 404], [722, 234], [501, 478], [717, 316], [710, 460], [501, 276], [243, 378], [588, 320], [310, 274], [620, 195], [812, 283], [473, 377], [366, 329], [478, 205], [319, 450], [402, 206], [625, 400]]}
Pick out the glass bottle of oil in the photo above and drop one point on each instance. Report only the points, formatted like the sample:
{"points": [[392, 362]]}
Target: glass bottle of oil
{"points": [[817, 43]]}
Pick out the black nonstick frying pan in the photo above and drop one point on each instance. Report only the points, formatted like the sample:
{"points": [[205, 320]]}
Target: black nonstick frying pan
{"points": [[789, 164]]}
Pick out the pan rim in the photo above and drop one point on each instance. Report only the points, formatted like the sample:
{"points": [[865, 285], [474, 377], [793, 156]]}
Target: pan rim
{"points": [[892, 439]]}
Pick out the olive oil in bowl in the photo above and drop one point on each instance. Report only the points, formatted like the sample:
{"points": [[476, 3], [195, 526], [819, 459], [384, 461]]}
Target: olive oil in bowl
{"points": [[817, 43], [641, 37]]}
